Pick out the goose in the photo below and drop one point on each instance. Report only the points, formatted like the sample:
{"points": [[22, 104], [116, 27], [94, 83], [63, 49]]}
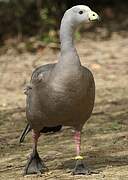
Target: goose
{"points": [[61, 94]]}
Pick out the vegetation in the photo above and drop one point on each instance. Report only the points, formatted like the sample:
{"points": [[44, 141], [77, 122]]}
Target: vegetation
{"points": [[21, 18]]}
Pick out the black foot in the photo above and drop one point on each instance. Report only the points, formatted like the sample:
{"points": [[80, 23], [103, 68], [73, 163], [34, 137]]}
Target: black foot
{"points": [[34, 165], [80, 168]]}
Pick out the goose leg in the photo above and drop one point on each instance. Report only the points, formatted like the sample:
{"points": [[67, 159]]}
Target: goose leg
{"points": [[35, 164], [80, 167]]}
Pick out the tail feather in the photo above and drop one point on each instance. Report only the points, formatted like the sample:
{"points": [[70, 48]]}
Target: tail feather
{"points": [[51, 129], [44, 130], [24, 133]]}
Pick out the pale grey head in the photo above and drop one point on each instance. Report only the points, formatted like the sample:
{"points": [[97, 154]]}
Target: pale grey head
{"points": [[80, 14], [74, 16]]}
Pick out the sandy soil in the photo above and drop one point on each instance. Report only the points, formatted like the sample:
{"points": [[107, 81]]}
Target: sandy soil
{"points": [[104, 143]]}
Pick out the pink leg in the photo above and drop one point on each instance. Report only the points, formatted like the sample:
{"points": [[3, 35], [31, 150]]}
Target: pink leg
{"points": [[80, 167], [35, 137], [34, 164], [77, 138]]}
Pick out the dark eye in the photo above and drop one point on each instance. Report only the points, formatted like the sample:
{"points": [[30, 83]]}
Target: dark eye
{"points": [[80, 12]]}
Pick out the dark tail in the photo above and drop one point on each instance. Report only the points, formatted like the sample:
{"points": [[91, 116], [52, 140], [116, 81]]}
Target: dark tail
{"points": [[51, 129], [44, 130], [24, 133]]}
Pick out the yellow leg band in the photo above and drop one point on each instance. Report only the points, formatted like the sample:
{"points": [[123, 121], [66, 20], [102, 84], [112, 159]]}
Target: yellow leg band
{"points": [[79, 158]]}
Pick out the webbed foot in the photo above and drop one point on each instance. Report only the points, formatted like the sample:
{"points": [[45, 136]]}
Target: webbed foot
{"points": [[80, 167], [34, 165]]}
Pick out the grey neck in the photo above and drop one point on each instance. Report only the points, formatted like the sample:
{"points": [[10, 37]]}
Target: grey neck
{"points": [[68, 51]]}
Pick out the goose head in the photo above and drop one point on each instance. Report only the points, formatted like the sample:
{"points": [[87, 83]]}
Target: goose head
{"points": [[80, 14]]}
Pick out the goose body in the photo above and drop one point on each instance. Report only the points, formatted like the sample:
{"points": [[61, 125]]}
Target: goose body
{"points": [[61, 94], [63, 98]]}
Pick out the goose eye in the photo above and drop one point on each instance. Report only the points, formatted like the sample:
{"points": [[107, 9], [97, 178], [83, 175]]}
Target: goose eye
{"points": [[80, 12]]}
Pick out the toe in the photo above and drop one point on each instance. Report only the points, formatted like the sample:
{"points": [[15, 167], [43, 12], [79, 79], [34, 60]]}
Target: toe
{"points": [[80, 168], [34, 166]]}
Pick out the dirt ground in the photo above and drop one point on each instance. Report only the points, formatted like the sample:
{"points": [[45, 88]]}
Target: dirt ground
{"points": [[104, 142]]}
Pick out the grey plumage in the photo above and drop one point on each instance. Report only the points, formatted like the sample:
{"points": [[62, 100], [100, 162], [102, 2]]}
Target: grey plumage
{"points": [[61, 94]]}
